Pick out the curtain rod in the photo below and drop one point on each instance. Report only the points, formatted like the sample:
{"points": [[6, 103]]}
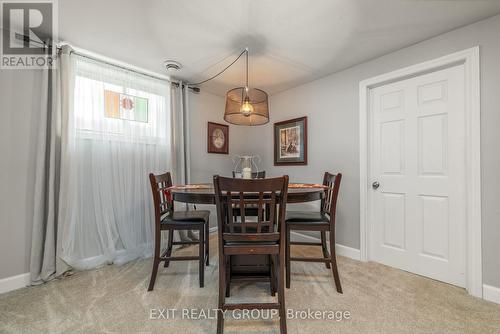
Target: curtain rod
{"points": [[177, 84], [127, 67], [99, 58], [115, 63]]}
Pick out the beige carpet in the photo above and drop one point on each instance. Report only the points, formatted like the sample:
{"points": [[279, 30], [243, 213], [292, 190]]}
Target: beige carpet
{"points": [[114, 299]]}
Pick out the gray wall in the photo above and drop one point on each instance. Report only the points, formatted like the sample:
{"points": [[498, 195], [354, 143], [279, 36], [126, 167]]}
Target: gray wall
{"points": [[332, 103], [204, 108], [19, 99]]}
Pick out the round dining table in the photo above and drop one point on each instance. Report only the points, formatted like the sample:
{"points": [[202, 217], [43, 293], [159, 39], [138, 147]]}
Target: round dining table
{"points": [[204, 193], [256, 266]]}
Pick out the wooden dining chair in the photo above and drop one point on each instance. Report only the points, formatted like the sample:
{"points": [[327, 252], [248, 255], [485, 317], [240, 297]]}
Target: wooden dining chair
{"points": [[323, 221], [167, 219], [260, 237]]}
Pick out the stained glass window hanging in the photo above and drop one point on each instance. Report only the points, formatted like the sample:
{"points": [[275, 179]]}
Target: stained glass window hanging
{"points": [[126, 107]]}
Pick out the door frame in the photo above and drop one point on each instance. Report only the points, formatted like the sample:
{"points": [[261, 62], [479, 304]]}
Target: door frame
{"points": [[470, 59]]}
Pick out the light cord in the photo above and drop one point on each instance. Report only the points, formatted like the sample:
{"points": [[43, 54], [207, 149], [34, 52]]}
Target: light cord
{"points": [[216, 75], [246, 58]]}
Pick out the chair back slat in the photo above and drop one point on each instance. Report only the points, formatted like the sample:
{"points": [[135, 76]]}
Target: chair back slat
{"points": [[260, 211], [272, 208], [270, 193], [329, 202], [230, 214], [242, 212]]}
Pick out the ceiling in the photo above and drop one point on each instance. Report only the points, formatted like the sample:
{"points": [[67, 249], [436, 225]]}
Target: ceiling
{"points": [[291, 42]]}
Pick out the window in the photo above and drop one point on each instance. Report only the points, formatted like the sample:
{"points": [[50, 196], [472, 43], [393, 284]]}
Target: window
{"points": [[116, 104]]}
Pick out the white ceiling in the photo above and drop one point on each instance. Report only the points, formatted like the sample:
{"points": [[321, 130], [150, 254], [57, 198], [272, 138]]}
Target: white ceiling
{"points": [[291, 41]]}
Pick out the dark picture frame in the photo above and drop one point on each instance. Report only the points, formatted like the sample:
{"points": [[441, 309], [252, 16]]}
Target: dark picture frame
{"points": [[217, 138], [290, 142]]}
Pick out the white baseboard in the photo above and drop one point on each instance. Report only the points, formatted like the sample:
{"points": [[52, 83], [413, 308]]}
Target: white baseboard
{"points": [[14, 282], [349, 252], [341, 250], [491, 293]]}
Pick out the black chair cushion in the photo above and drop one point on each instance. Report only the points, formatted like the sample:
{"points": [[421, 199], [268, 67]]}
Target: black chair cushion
{"points": [[187, 217], [306, 217]]}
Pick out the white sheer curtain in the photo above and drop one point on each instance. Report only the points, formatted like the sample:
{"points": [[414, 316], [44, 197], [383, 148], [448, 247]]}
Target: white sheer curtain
{"points": [[108, 211]]}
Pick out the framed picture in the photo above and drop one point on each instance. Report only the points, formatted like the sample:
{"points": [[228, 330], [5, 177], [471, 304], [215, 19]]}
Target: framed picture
{"points": [[290, 142], [218, 138]]}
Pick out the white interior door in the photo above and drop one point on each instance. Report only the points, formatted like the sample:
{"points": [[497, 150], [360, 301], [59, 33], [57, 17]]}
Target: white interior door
{"points": [[417, 156]]}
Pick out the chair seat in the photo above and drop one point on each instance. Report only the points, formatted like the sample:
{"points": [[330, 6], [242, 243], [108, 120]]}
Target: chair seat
{"points": [[306, 217], [200, 216]]}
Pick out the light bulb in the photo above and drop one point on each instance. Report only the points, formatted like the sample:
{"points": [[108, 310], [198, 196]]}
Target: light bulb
{"points": [[246, 108]]}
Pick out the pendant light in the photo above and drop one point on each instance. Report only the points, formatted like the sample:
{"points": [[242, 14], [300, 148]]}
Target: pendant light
{"points": [[246, 106]]}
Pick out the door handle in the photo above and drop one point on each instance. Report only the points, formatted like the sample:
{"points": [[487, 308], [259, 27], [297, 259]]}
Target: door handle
{"points": [[375, 185]]}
